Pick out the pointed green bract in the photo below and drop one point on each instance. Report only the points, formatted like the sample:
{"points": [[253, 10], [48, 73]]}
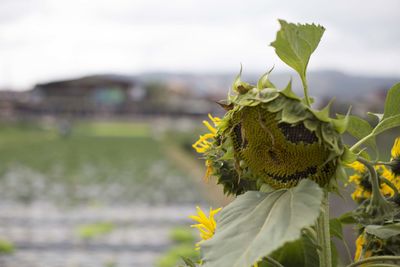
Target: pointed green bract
{"points": [[288, 92], [295, 43], [239, 86], [348, 156], [323, 114], [264, 81], [341, 123], [276, 218]]}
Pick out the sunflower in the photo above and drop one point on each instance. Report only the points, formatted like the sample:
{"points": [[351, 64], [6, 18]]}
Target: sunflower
{"points": [[270, 137], [395, 160], [205, 224], [363, 186], [368, 245], [361, 252], [278, 140]]}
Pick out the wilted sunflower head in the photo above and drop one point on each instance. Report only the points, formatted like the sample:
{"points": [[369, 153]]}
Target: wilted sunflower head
{"points": [[271, 137]]}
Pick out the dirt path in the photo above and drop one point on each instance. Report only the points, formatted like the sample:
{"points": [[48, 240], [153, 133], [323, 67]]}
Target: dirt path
{"points": [[193, 167]]}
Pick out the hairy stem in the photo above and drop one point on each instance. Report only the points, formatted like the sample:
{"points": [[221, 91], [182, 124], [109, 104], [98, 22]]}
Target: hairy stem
{"points": [[360, 142], [305, 87], [376, 192], [378, 259], [323, 233]]}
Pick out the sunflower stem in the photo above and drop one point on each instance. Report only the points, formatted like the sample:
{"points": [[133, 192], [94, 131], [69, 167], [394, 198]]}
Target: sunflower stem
{"points": [[378, 205], [305, 87], [377, 259], [323, 233], [360, 142], [376, 193]]}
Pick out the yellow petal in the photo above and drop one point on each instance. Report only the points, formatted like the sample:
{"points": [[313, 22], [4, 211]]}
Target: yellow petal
{"points": [[396, 148], [209, 127]]}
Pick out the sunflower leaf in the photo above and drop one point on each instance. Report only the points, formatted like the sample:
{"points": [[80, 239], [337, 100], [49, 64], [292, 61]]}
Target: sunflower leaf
{"points": [[392, 103], [360, 128], [311, 258], [386, 124], [188, 262], [293, 254], [276, 218], [336, 228], [295, 43], [378, 116], [384, 231]]}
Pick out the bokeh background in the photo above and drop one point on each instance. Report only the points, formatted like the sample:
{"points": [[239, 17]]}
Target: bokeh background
{"points": [[100, 102]]}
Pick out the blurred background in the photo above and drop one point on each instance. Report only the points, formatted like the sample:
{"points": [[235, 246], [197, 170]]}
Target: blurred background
{"points": [[100, 102]]}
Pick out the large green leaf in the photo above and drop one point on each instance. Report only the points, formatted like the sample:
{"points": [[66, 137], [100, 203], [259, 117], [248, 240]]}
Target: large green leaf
{"points": [[255, 224], [311, 258], [386, 124], [392, 103], [384, 231], [360, 128], [291, 254], [295, 43], [336, 229]]}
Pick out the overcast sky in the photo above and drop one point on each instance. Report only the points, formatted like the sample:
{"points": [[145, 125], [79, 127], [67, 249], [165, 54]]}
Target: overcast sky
{"points": [[41, 40]]}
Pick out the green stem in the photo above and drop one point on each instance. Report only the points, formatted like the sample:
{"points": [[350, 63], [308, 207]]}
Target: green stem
{"points": [[376, 192], [378, 208], [374, 177], [380, 265], [360, 142], [323, 233], [305, 87], [377, 259]]}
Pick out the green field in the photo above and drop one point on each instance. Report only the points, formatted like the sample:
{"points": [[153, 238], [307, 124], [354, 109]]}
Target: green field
{"points": [[97, 161]]}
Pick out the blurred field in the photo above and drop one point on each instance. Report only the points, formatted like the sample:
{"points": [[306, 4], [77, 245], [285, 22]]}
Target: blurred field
{"points": [[95, 194], [110, 161]]}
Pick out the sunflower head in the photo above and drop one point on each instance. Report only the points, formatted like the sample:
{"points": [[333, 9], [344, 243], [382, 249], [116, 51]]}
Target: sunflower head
{"points": [[270, 136], [363, 187], [395, 163]]}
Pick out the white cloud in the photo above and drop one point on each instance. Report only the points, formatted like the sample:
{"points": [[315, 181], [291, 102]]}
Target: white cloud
{"points": [[44, 39]]}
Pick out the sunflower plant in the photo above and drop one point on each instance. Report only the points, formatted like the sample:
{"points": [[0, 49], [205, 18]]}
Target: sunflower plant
{"points": [[281, 158]]}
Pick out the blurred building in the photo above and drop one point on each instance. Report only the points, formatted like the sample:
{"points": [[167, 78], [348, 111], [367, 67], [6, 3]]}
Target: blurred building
{"points": [[87, 96], [107, 96]]}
